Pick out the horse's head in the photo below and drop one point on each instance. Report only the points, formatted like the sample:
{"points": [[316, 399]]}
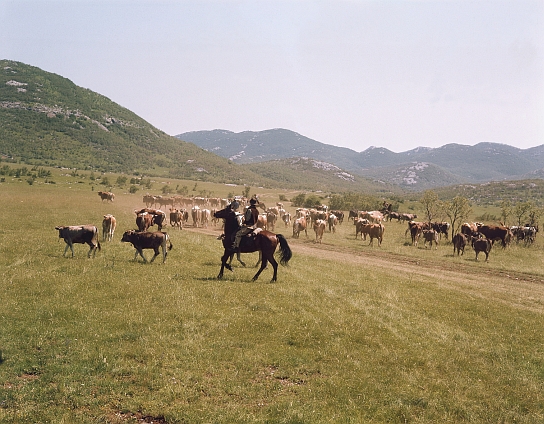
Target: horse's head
{"points": [[224, 213]]}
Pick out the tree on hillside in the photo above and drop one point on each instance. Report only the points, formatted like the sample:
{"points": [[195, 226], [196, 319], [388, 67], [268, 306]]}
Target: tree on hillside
{"points": [[521, 211], [298, 200], [534, 216], [431, 204], [506, 211], [457, 211]]}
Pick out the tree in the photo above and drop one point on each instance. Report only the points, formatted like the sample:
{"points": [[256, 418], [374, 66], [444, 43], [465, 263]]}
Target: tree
{"points": [[246, 191], [431, 204], [521, 210], [506, 211], [457, 211], [312, 201], [121, 181], [298, 200]]}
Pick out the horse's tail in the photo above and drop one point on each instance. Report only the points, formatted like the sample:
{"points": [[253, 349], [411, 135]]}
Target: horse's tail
{"points": [[285, 251]]}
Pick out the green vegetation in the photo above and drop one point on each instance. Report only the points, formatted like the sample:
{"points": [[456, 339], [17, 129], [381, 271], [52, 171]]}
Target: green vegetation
{"points": [[47, 120], [350, 333]]}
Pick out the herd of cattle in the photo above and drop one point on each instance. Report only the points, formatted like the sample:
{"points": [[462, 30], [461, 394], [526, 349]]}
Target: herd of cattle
{"points": [[367, 224]]}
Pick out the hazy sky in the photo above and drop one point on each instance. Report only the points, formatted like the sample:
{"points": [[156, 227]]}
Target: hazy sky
{"points": [[388, 73]]}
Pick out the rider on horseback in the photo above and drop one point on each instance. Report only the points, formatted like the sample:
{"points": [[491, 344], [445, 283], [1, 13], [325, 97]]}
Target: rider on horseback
{"points": [[251, 215]]}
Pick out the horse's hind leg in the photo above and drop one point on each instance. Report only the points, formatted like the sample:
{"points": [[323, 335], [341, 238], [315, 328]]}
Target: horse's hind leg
{"points": [[263, 266], [275, 266]]}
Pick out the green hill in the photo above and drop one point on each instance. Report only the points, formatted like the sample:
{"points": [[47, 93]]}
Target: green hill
{"points": [[46, 119]]}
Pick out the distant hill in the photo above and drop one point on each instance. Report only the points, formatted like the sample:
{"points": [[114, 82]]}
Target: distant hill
{"points": [[417, 169], [45, 119], [298, 172]]}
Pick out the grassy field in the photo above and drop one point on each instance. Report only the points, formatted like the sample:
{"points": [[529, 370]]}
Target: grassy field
{"points": [[350, 333]]}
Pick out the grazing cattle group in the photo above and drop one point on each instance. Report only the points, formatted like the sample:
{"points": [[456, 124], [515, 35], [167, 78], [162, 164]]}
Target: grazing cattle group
{"points": [[479, 236]]}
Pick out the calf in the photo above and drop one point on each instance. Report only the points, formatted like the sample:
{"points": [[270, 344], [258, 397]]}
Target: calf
{"points": [[286, 218], [271, 219], [144, 220], [481, 245], [332, 220], [299, 225], [459, 242], [430, 236], [108, 227], [415, 228], [319, 228], [79, 234], [176, 218], [148, 240]]}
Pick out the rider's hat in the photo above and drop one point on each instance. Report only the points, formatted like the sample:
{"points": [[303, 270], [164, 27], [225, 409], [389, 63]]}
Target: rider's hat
{"points": [[234, 205]]}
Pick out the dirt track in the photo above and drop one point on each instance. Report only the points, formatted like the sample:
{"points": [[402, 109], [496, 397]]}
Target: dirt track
{"points": [[402, 264]]}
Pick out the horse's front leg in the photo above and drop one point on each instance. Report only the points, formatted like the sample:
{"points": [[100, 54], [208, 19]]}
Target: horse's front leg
{"points": [[224, 265]]}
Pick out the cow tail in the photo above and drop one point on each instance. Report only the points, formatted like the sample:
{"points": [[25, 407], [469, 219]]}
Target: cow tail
{"points": [[285, 251], [167, 240], [97, 239]]}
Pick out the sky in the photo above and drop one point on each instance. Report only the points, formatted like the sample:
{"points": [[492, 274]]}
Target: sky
{"points": [[398, 74]]}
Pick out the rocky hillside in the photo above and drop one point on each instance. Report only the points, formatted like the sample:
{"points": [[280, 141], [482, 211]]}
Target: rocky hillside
{"points": [[46, 119]]}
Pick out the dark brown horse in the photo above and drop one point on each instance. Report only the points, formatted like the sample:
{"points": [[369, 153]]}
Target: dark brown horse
{"points": [[263, 241]]}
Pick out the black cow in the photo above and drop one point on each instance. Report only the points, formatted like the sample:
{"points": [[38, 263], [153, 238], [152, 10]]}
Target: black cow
{"points": [[481, 245], [148, 240], [79, 234], [441, 228], [459, 242]]}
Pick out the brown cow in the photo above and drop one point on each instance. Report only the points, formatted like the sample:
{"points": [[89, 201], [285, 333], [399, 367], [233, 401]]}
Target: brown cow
{"points": [[481, 245], [108, 227], [271, 219], [80, 234], [470, 228], [415, 228], [106, 195], [496, 232], [176, 218], [374, 231], [459, 242], [408, 216], [359, 224], [148, 240], [262, 221], [319, 228], [286, 218], [299, 225]]}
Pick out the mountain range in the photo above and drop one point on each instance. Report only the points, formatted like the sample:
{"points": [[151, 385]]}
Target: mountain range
{"points": [[418, 169], [47, 120]]}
